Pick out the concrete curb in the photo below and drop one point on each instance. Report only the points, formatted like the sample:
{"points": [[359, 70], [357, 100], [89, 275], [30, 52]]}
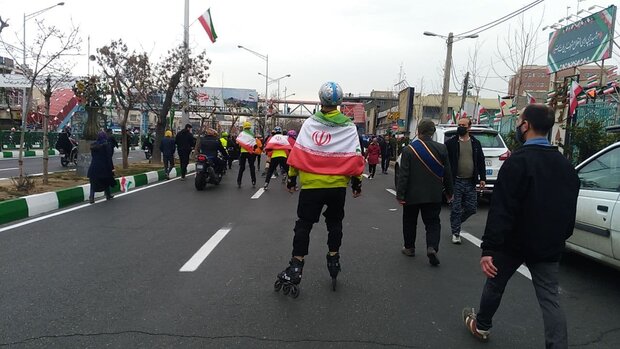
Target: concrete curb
{"points": [[32, 205], [14, 154]]}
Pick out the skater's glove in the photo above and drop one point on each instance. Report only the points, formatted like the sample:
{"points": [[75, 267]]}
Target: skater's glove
{"points": [[356, 185], [291, 183]]}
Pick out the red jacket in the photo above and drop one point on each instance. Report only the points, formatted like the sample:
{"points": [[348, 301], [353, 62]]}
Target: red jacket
{"points": [[372, 154]]}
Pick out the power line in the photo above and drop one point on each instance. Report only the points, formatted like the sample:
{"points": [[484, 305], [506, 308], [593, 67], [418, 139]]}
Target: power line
{"points": [[500, 20]]}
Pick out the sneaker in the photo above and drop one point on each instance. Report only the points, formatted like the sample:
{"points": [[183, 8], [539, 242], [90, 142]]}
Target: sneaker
{"points": [[183, 178], [469, 318], [109, 197], [266, 186], [456, 239], [408, 251], [431, 253], [254, 184]]}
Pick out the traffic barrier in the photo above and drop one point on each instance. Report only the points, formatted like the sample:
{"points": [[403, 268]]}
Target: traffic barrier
{"points": [[36, 204]]}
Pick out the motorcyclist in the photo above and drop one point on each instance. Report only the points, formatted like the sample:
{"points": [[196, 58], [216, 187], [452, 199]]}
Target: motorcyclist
{"points": [[210, 145], [148, 142], [64, 143]]}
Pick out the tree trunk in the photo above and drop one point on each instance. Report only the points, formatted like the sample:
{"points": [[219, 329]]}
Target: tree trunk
{"points": [[88, 136], [22, 136], [163, 113], [125, 144], [48, 96]]}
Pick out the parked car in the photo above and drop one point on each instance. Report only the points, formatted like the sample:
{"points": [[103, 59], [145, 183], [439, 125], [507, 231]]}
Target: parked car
{"points": [[493, 146], [597, 225]]}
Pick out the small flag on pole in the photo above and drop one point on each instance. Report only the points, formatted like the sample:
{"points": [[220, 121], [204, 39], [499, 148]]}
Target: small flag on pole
{"points": [[575, 89], [502, 104], [207, 23], [530, 98], [513, 109]]}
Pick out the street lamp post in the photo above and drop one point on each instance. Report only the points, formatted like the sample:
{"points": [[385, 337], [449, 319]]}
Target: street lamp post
{"points": [[450, 39], [277, 80], [266, 59], [26, 98]]}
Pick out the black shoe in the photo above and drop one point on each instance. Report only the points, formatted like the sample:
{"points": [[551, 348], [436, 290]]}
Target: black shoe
{"points": [[109, 197], [91, 200], [431, 253], [254, 184], [238, 184]]}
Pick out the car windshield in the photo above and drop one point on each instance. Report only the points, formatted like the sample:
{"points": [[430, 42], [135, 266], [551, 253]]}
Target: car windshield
{"points": [[487, 140]]}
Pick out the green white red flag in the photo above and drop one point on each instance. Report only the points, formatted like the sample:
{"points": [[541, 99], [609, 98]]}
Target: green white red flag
{"points": [[207, 23]]}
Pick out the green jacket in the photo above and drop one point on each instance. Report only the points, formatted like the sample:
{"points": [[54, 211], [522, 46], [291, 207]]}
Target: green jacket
{"points": [[416, 184]]}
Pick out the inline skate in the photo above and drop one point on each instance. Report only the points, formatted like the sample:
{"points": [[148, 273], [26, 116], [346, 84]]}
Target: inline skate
{"points": [[289, 279], [333, 265]]}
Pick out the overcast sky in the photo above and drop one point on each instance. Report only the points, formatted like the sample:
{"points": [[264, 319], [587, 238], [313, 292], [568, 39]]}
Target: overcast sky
{"points": [[359, 43]]}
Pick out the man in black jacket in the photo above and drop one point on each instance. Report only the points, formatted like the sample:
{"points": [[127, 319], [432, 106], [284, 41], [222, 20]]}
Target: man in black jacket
{"points": [[423, 174], [468, 169], [210, 145], [531, 215], [185, 142]]}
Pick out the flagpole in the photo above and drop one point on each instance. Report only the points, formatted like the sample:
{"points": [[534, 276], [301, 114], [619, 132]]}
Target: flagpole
{"points": [[185, 115]]}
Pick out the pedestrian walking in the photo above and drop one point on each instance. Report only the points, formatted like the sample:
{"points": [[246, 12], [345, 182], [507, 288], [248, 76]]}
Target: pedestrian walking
{"points": [[469, 168], [531, 216], [372, 156], [185, 142], [423, 176], [167, 148], [326, 158], [247, 143], [386, 154], [101, 170], [111, 140], [277, 149]]}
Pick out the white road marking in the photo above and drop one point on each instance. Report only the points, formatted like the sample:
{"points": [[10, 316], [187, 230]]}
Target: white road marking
{"points": [[523, 270], [193, 263], [9, 169], [391, 191], [258, 193], [393, 209], [58, 213]]}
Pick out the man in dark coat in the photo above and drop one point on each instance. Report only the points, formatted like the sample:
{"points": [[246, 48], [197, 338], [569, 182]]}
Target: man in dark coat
{"points": [[168, 148], [423, 175], [101, 169], [185, 142], [531, 216], [468, 167]]}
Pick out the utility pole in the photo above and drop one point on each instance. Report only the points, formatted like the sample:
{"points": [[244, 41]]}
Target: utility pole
{"points": [[465, 88], [446, 78], [48, 97], [185, 115]]}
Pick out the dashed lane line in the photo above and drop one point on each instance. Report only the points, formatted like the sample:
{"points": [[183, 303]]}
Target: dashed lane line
{"points": [[258, 193], [391, 191], [193, 263]]}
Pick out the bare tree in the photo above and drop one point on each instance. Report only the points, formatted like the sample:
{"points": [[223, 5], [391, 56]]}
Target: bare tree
{"points": [[518, 50], [165, 79], [126, 73], [46, 52]]}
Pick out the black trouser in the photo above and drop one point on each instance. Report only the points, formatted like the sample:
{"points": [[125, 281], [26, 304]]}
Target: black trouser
{"points": [[168, 163], [273, 165], [430, 217], [385, 162], [250, 158], [546, 286], [184, 159], [258, 161], [372, 168], [311, 202]]}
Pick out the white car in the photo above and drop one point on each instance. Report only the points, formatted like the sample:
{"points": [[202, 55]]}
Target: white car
{"points": [[597, 225], [493, 146]]}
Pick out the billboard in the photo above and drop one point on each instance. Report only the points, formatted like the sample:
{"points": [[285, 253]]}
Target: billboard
{"points": [[589, 39], [354, 111], [221, 96]]}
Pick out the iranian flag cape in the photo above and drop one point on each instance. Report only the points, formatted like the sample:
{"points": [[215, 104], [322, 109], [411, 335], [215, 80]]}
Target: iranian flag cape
{"points": [[278, 142], [247, 141], [328, 146]]}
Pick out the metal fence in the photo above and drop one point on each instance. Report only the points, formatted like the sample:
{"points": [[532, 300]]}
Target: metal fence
{"points": [[601, 111], [9, 140]]}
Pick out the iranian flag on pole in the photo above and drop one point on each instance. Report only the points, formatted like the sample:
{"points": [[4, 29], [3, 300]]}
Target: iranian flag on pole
{"points": [[502, 104], [575, 89], [530, 98], [481, 111], [207, 23], [246, 141], [327, 149]]}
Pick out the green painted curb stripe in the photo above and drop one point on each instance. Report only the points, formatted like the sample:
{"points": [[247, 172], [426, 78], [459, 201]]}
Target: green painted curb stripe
{"points": [[140, 180], [117, 187], [7, 154], [12, 210], [51, 152], [30, 153], [69, 197], [161, 175]]}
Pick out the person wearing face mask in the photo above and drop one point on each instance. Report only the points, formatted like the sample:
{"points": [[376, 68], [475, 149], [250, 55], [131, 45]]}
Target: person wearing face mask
{"points": [[468, 167], [531, 216]]}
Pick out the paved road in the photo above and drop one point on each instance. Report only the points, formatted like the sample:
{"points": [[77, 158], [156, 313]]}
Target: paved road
{"points": [[108, 275], [34, 166]]}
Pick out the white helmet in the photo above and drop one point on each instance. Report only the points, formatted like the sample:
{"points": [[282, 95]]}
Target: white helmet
{"points": [[330, 94]]}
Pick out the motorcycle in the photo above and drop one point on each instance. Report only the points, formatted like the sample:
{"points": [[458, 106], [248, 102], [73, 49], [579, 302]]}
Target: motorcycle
{"points": [[205, 172], [72, 156]]}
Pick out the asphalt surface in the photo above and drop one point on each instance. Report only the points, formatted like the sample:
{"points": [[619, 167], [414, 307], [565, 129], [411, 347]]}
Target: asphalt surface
{"points": [[34, 166], [108, 275]]}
